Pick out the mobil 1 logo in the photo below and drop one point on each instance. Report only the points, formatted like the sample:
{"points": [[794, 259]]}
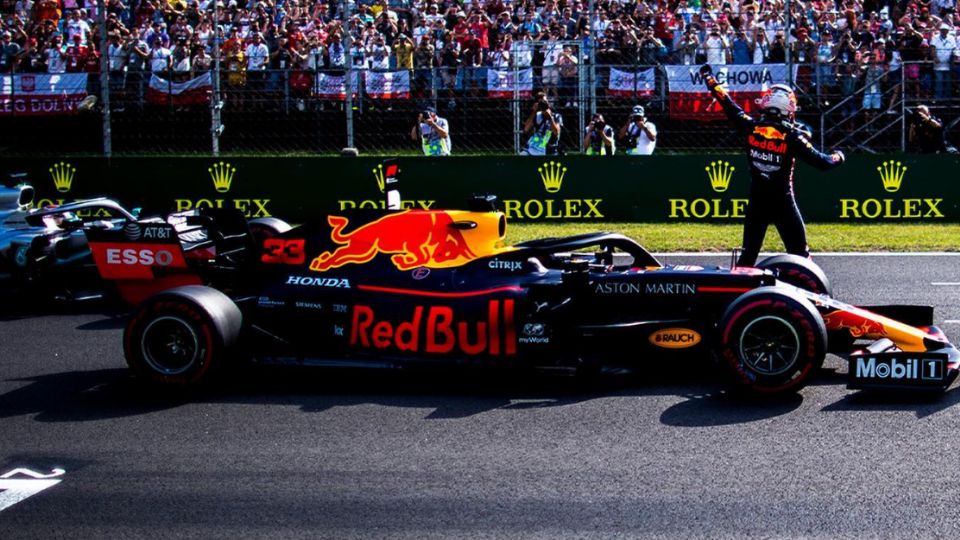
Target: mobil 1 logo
{"points": [[898, 369]]}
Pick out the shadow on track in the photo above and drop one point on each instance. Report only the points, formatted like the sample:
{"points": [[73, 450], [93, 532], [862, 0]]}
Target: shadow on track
{"points": [[922, 404], [447, 393]]}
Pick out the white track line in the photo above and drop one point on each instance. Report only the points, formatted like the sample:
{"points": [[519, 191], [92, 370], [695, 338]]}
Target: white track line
{"points": [[952, 321], [945, 283]]}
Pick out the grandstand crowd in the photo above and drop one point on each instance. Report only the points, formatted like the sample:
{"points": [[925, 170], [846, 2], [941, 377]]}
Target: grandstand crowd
{"points": [[854, 39]]}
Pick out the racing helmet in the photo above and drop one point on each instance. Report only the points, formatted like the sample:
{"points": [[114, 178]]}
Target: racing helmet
{"points": [[779, 100], [638, 110]]}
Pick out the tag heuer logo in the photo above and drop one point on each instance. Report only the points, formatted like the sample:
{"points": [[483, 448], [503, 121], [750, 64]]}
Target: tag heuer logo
{"points": [[720, 173]]}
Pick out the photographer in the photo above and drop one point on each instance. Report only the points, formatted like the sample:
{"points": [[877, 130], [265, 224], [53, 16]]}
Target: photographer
{"points": [[433, 133], [544, 125], [641, 135], [926, 132], [598, 139]]}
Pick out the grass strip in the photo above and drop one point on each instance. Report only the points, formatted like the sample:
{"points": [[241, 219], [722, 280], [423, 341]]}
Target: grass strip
{"points": [[723, 237]]}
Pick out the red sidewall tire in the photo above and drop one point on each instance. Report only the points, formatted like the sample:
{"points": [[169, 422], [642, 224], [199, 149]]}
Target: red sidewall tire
{"points": [[787, 311], [799, 272], [209, 344]]}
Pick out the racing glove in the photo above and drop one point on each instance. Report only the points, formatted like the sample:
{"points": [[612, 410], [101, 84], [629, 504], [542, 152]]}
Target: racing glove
{"points": [[707, 73]]}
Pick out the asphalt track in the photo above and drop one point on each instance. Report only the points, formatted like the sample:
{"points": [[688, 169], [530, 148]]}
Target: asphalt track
{"points": [[327, 454]]}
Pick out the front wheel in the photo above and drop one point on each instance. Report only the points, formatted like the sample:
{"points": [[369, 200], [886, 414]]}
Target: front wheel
{"points": [[772, 340]]}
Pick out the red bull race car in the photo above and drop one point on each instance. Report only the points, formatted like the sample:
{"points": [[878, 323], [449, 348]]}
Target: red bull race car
{"points": [[407, 287]]}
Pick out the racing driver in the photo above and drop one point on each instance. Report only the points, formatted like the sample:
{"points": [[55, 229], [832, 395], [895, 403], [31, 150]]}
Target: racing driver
{"points": [[773, 142]]}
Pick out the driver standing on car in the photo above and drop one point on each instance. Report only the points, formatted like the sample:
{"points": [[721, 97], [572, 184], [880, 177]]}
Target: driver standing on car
{"points": [[773, 142]]}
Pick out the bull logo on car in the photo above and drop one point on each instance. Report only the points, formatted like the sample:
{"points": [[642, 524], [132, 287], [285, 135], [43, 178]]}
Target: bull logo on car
{"points": [[414, 238]]}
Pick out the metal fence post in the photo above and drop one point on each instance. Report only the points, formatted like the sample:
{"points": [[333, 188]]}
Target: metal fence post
{"points": [[516, 106], [216, 128], [105, 78], [348, 41]]}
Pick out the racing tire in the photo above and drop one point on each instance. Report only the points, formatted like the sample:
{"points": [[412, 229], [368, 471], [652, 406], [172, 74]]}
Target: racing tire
{"points": [[180, 336], [263, 228], [772, 340], [799, 272]]}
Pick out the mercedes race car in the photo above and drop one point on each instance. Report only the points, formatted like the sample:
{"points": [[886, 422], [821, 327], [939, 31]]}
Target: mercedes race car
{"points": [[406, 287], [47, 251]]}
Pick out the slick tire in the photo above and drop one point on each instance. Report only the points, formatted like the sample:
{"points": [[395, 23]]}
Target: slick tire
{"points": [[263, 228], [799, 272], [771, 340], [178, 337]]}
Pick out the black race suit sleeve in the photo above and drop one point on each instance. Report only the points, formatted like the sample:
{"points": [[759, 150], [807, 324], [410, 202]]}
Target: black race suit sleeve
{"points": [[803, 148]]}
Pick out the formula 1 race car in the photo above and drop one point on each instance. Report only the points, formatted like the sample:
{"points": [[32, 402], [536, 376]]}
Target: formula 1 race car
{"points": [[397, 288], [45, 252]]}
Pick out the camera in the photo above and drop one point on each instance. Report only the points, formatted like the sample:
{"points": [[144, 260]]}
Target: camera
{"points": [[543, 105]]}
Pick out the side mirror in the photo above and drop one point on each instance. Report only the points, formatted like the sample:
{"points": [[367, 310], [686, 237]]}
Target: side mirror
{"points": [[26, 197]]}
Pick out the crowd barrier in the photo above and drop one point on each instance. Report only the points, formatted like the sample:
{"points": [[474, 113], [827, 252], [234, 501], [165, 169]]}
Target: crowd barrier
{"points": [[690, 188]]}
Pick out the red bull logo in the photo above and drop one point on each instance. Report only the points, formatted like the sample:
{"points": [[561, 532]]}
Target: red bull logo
{"points": [[855, 323], [769, 132], [415, 238], [438, 330]]}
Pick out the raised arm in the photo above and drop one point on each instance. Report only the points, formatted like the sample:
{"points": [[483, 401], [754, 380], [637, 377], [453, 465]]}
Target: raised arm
{"points": [[740, 119]]}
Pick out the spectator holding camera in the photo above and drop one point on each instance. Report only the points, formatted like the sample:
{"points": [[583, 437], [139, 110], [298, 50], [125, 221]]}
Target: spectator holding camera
{"points": [[640, 134], [544, 126], [598, 139], [432, 132], [926, 132]]}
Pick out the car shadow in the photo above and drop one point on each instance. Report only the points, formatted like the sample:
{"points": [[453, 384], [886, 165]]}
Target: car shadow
{"points": [[921, 404], [450, 394]]}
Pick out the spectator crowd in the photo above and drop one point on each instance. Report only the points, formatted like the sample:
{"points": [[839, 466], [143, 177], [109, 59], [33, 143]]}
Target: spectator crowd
{"points": [[841, 44]]}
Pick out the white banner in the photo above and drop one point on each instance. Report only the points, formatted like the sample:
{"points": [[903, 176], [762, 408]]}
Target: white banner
{"points": [[388, 85], [501, 84], [42, 93], [689, 98], [738, 78], [333, 87], [632, 84], [192, 92]]}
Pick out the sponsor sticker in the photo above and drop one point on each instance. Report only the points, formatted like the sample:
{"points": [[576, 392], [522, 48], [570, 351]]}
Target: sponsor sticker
{"points": [[626, 288], [310, 281], [879, 369], [121, 260], [510, 266], [675, 338]]}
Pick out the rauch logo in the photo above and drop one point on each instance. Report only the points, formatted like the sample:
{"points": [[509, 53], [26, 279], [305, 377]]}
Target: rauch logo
{"points": [[719, 174], [891, 174], [221, 174]]}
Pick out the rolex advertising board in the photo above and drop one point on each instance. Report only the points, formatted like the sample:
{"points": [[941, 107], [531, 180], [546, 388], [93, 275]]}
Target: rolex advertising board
{"points": [[669, 188]]}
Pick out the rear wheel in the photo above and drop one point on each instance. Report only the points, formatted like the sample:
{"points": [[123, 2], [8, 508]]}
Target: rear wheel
{"points": [[772, 340], [799, 272], [178, 337]]}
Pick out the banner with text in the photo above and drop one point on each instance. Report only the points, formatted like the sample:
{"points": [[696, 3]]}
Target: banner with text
{"points": [[689, 98], [333, 87], [632, 83], [42, 94], [388, 85], [501, 83]]}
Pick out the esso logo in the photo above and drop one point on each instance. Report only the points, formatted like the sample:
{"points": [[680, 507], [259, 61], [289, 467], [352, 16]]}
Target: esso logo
{"points": [[141, 257]]}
